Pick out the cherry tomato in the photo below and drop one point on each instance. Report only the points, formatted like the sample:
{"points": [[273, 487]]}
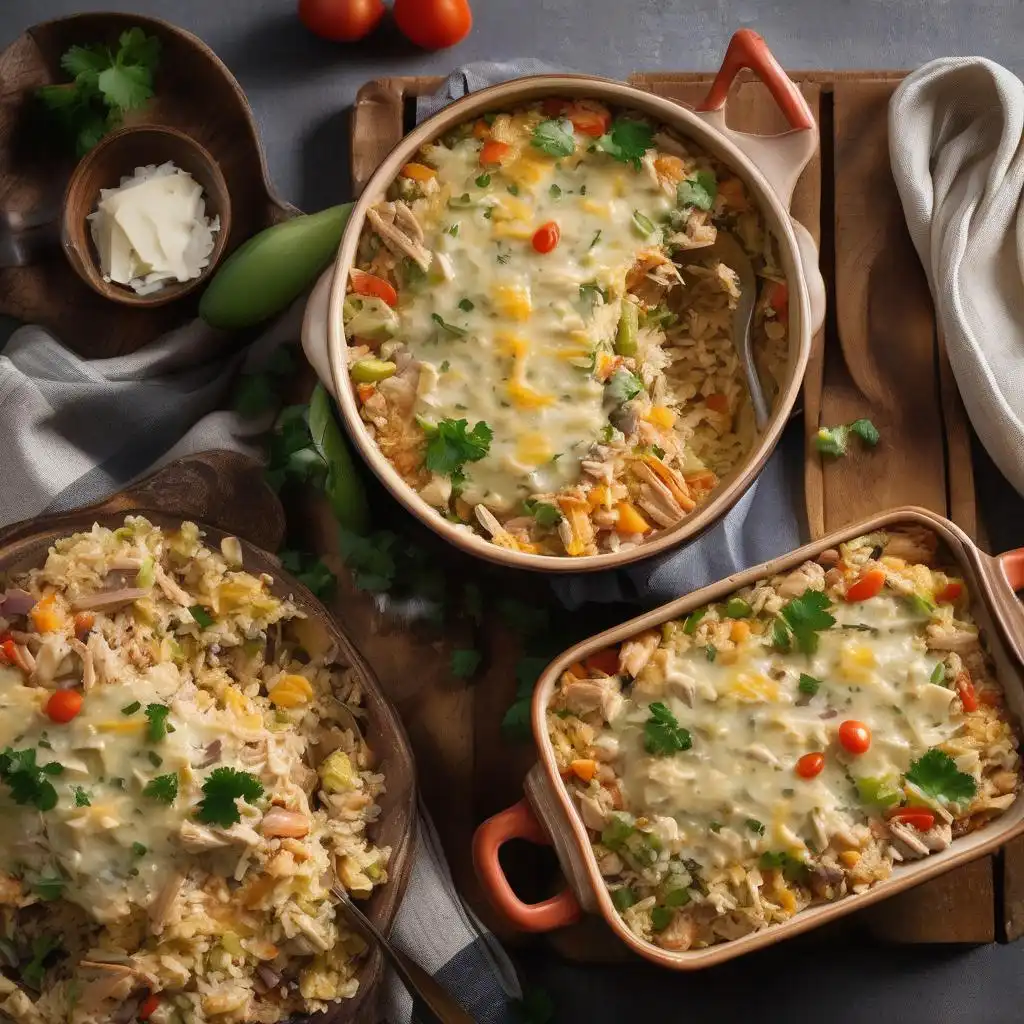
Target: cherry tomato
{"points": [[343, 21], [606, 661], [854, 736], [64, 705], [950, 592], [810, 765], [369, 284], [778, 299], [965, 688], [553, 106], [493, 152], [990, 698], [866, 586], [546, 237], [8, 652], [149, 1006], [915, 817], [84, 621], [589, 119], [434, 24]]}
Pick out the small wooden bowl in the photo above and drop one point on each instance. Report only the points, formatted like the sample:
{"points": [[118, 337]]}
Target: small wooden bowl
{"points": [[116, 157]]}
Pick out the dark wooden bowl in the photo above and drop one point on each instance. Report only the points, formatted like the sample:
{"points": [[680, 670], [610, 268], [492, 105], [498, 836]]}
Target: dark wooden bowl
{"points": [[104, 166], [226, 490]]}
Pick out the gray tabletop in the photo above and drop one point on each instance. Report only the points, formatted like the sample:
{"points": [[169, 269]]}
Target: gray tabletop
{"points": [[301, 90]]}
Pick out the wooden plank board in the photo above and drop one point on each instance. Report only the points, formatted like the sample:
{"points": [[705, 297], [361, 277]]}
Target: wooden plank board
{"points": [[879, 356]]}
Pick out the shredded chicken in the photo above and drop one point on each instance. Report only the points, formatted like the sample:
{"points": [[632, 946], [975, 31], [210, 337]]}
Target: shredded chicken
{"points": [[393, 228]]}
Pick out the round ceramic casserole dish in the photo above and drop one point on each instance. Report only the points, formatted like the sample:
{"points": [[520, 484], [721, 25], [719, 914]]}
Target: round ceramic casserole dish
{"points": [[768, 167], [548, 814], [25, 545]]}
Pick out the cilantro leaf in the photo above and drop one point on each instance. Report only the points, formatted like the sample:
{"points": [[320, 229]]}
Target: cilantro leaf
{"points": [[163, 788], [663, 733], [627, 141], [27, 780], [465, 662], [138, 48], [699, 191], [371, 560], [555, 138], [936, 774], [158, 726], [82, 797], [311, 571], [86, 61], [126, 86], [806, 616], [545, 513], [808, 684], [624, 386], [452, 444], [755, 826], [221, 789]]}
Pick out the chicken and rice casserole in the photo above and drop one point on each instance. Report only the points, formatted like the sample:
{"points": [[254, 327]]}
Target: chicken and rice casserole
{"points": [[540, 335], [787, 746], [182, 778]]}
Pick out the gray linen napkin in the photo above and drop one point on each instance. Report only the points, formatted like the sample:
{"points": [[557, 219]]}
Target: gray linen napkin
{"points": [[76, 431], [765, 522]]}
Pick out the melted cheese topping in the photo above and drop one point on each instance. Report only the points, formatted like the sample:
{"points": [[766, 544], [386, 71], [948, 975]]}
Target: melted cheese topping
{"points": [[750, 724], [524, 364]]}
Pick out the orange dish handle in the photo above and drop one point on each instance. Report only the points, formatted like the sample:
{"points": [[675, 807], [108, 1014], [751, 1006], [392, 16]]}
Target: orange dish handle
{"points": [[518, 822], [1012, 565], [748, 50]]}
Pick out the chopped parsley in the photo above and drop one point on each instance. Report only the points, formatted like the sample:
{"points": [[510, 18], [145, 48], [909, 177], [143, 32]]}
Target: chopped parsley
{"points": [[627, 141], [663, 734], [555, 192], [513, 189], [715, 826], [221, 789], [158, 726], [201, 615], [804, 617], [711, 652], [163, 788], [139, 849], [452, 444], [504, 257], [453, 329], [453, 230], [595, 239], [545, 513], [808, 684], [755, 826], [154, 758], [444, 367], [81, 797], [624, 386], [466, 306], [483, 181], [834, 440], [131, 709], [49, 887], [699, 191], [28, 781], [936, 774], [555, 138]]}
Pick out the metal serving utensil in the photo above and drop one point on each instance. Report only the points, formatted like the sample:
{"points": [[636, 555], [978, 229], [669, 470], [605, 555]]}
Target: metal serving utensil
{"points": [[26, 237], [436, 1006], [729, 251]]}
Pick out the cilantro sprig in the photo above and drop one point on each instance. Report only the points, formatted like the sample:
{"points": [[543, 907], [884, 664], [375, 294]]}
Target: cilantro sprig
{"points": [[555, 138], [801, 621], [662, 732], [698, 192], [627, 141], [163, 788], [452, 444], [29, 782], [544, 512], [107, 83], [158, 726], [221, 789], [311, 571], [936, 774]]}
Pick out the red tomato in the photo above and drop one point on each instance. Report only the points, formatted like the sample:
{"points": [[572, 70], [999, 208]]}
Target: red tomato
{"points": [[778, 299], [546, 237], [8, 654], [369, 284], [950, 592], [810, 765], [591, 119], [343, 21], [149, 1006], [866, 586], [553, 106], [434, 24], [965, 688], [64, 705], [915, 817], [493, 152], [854, 736], [606, 661]]}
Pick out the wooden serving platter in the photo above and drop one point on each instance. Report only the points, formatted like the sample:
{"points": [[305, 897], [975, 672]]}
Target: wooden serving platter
{"points": [[879, 356], [194, 92]]}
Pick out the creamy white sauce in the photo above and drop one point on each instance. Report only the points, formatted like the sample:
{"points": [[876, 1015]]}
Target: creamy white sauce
{"points": [[749, 729], [525, 364]]}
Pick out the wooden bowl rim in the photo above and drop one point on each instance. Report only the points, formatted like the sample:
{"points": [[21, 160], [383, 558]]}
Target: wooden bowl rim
{"points": [[86, 265]]}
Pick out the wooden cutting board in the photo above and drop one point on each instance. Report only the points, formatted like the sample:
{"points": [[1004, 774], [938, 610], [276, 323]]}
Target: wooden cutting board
{"points": [[878, 356]]}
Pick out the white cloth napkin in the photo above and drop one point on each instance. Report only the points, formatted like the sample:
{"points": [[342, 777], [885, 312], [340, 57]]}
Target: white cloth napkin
{"points": [[955, 130]]}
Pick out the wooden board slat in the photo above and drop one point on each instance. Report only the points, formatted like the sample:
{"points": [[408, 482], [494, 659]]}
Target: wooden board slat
{"points": [[879, 356]]}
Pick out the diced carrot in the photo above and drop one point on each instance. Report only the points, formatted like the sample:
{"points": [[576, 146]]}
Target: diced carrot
{"points": [[578, 669], [606, 661], [44, 616], [589, 118], [739, 631], [717, 402], [670, 167], [950, 592], [778, 299], [481, 130], [148, 1006], [732, 194], [630, 521], [661, 416], [607, 364], [365, 392], [494, 152], [583, 768], [598, 496], [84, 621], [418, 172], [866, 586], [8, 651], [701, 482]]}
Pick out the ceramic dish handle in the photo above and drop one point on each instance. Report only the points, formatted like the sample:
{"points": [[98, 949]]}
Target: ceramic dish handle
{"points": [[1012, 565], [314, 329], [518, 822], [780, 158]]}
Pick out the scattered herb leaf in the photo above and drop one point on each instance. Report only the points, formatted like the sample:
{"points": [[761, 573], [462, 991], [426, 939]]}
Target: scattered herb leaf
{"points": [[221, 789]]}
